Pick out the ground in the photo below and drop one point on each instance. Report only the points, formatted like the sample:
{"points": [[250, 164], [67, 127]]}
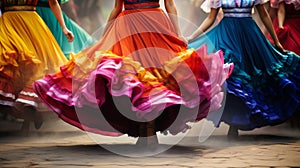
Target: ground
{"points": [[57, 144]]}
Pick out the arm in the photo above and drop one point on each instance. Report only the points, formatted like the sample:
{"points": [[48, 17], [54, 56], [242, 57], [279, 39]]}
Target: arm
{"points": [[264, 16], [281, 14], [114, 13], [58, 14], [172, 12], [206, 24]]}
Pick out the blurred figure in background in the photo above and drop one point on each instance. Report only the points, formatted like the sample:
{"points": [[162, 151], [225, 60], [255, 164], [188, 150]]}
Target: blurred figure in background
{"points": [[70, 8], [196, 16], [90, 13], [287, 23]]}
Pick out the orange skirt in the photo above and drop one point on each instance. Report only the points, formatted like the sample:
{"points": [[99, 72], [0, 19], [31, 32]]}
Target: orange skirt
{"points": [[139, 71]]}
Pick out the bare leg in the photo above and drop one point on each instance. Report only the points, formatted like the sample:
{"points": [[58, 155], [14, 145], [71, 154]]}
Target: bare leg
{"points": [[148, 137], [141, 142], [232, 132], [151, 134], [31, 115], [37, 119], [25, 127], [28, 116]]}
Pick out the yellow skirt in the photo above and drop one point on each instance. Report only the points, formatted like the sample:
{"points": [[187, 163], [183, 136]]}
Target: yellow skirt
{"points": [[28, 51]]}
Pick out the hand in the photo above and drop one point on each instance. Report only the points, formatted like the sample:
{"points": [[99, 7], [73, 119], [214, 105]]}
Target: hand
{"points": [[189, 38], [68, 34]]}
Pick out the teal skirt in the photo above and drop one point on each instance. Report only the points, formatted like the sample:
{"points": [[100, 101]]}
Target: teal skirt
{"points": [[264, 88], [82, 39]]}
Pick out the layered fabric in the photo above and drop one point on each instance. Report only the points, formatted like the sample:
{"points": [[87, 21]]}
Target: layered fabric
{"points": [[289, 36], [28, 51], [81, 38], [139, 71], [265, 83]]}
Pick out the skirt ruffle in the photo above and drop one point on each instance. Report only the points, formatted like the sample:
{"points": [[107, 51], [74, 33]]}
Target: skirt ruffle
{"points": [[265, 81], [25, 55], [135, 74], [119, 94]]}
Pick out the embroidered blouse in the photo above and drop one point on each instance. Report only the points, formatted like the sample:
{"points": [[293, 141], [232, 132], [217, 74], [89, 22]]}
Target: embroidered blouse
{"points": [[233, 8]]}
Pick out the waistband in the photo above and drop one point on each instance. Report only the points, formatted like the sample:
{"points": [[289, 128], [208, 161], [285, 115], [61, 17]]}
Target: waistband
{"points": [[237, 15], [143, 5], [237, 12], [19, 8]]}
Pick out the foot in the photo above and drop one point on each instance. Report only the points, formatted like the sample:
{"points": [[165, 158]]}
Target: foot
{"points": [[232, 132], [152, 141], [38, 120], [31, 114], [7, 113], [148, 142], [141, 142], [25, 128]]}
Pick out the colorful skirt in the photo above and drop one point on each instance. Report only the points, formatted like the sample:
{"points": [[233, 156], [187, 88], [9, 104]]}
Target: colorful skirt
{"points": [[139, 71], [28, 51], [81, 38], [264, 84]]}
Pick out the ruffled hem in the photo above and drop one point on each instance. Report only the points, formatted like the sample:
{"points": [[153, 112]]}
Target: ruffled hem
{"points": [[271, 98], [11, 70], [25, 56], [192, 79], [264, 83], [10, 61]]}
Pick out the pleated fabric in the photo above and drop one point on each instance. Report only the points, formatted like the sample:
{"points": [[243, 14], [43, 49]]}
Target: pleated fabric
{"points": [[264, 80], [28, 51], [139, 71], [81, 38]]}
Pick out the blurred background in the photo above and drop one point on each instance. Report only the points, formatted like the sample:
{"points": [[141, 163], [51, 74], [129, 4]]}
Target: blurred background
{"points": [[93, 14]]}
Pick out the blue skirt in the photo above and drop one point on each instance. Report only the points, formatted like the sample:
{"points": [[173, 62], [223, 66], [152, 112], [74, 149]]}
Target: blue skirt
{"points": [[264, 88]]}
